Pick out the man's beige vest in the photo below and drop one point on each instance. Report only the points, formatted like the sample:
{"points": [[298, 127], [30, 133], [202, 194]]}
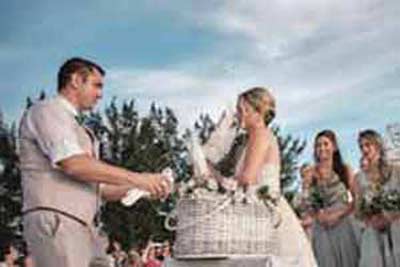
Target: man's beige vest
{"points": [[47, 186]]}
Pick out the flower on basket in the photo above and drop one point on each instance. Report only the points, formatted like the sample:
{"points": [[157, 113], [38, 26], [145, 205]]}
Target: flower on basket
{"points": [[197, 188], [264, 195], [271, 202]]}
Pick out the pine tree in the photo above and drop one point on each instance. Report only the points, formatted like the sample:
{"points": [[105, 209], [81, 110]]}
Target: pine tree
{"points": [[10, 187], [143, 144], [290, 149]]}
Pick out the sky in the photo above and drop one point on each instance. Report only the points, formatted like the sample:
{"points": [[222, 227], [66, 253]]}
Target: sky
{"points": [[330, 63]]}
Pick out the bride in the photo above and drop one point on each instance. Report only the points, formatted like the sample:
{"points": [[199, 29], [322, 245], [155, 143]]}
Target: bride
{"points": [[259, 165]]}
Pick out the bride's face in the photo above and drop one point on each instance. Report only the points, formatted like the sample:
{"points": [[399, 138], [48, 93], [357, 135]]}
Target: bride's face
{"points": [[246, 113]]}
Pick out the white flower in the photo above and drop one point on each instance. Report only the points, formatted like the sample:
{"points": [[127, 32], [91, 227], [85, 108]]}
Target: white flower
{"points": [[212, 184], [229, 184]]}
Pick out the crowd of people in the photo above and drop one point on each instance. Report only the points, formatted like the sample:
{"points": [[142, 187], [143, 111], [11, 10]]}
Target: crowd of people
{"points": [[152, 255], [344, 231], [15, 254]]}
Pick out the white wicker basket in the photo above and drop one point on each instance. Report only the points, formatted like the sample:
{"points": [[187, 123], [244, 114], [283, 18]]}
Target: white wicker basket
{"points": [[221, 227]]}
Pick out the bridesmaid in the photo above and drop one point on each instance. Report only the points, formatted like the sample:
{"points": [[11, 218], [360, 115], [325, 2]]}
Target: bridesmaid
{"points": [[380, 239], [333, 238]]}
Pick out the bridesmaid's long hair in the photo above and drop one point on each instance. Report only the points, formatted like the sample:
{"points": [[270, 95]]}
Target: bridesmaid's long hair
{"points": [[338, 165], [376, 139], [262, 101]]}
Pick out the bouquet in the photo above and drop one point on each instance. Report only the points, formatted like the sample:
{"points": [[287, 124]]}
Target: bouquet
{"points": [[321, 197], [391, 201], [378, 201], [316, 199], [370, 204]]}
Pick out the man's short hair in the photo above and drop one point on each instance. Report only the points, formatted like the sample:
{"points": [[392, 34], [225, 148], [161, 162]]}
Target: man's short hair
{"points": [[76, 65]]}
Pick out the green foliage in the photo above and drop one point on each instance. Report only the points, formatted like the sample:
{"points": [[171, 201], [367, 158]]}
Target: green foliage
{"points": [[290, 148], [10, 189], [143, 144]]}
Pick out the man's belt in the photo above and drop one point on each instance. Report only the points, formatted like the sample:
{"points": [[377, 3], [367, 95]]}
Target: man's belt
{"points": [[66, 214]]}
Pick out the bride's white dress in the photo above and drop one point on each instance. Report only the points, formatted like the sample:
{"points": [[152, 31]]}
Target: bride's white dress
{"points": [[294, 247]]}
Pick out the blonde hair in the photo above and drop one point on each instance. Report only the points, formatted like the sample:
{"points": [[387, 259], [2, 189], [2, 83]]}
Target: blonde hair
{"points": [[262, 101], [376, 139]]}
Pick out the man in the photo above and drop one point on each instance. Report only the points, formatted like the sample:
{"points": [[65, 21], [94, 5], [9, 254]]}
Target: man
{"points": [[61, 173]]}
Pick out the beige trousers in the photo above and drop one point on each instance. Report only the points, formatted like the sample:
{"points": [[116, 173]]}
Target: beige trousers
{"points": [[57, 241]]}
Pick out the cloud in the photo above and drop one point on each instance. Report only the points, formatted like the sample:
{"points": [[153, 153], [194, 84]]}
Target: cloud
{"points": [[330, 63], [317, 55], [187, 93]]}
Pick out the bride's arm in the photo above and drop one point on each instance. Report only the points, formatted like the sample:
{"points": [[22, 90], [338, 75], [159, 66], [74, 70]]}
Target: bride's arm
{"points": [[254, 159]]}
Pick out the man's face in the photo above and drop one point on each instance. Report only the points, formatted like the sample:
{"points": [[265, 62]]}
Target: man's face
{"points": [[90, 91], [244, 112]]}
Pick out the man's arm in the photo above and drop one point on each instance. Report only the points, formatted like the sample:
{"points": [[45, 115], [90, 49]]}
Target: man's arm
{"points": [[88, 169], [54, 131]]}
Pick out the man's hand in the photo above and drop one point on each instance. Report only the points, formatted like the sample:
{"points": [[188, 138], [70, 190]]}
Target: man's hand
{"points": [[155, 183], [86, 168]]}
